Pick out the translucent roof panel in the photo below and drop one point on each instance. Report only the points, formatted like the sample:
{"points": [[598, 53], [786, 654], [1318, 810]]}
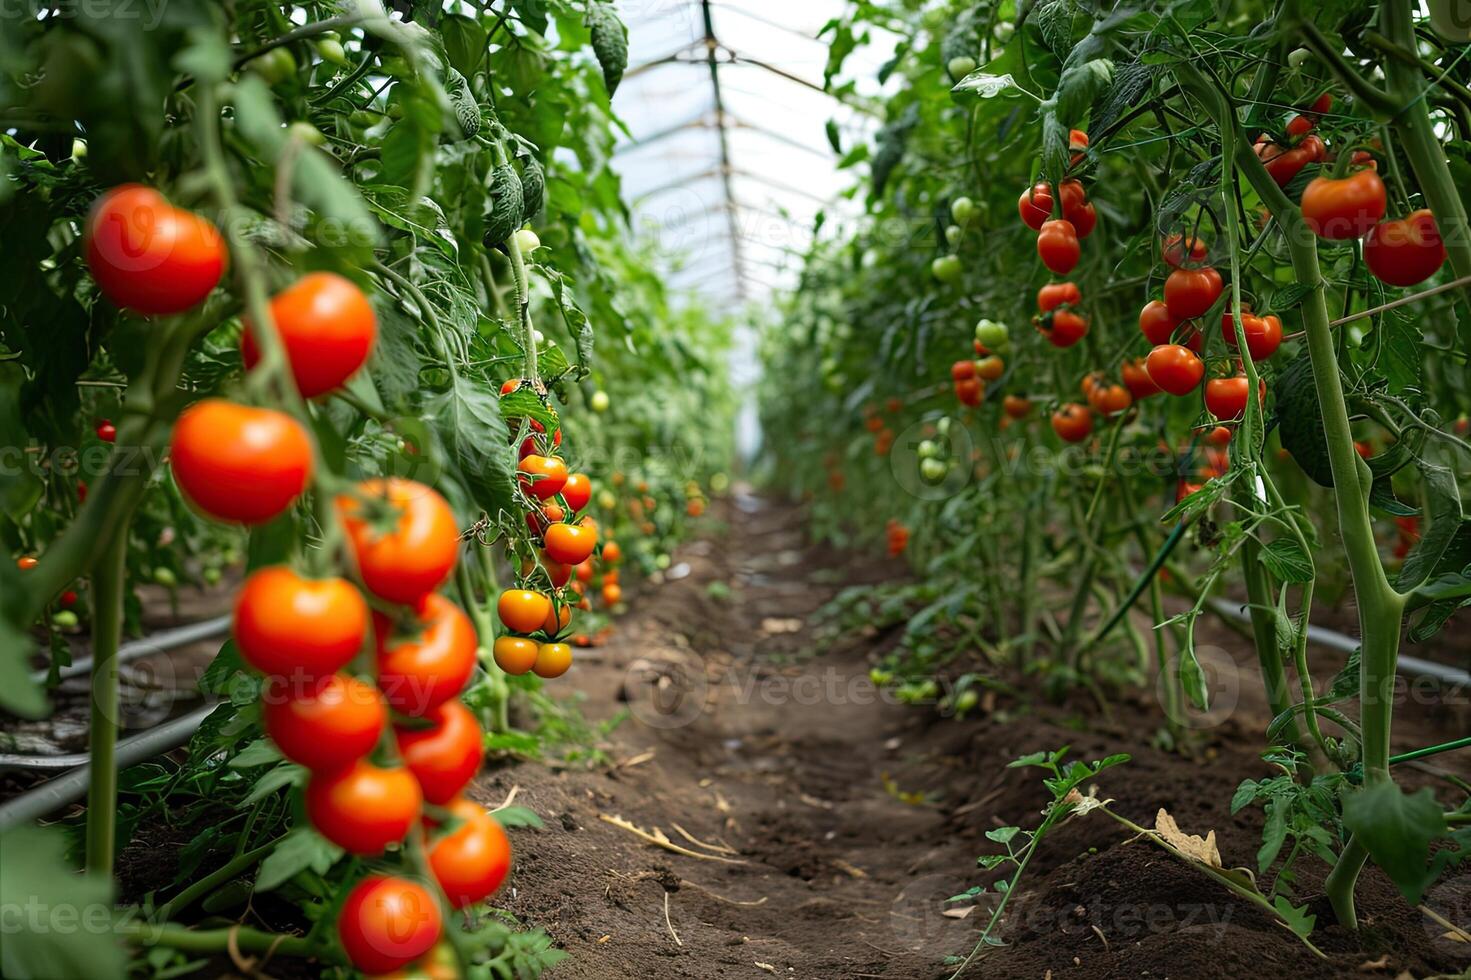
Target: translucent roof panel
{"points": [[727, 173]]}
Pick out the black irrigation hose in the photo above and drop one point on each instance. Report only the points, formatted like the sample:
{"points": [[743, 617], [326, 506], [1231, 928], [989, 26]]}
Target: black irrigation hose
{"points": [[160, 642]]}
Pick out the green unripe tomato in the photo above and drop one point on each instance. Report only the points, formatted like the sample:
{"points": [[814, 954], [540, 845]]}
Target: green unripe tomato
{"points": [[928, 450], [273, 67], [331, 49], [64, 619], [79, 149], [165, 577], [943, 426], [933, 470], [211, 576], [606, 500], [953, 235], [947, 269], [960, 66], [719, 483], [992, 335], [526, 238], [1298, 57], [661, 562], [965, 700], [964, 211], [305, 132], [600, 401]]}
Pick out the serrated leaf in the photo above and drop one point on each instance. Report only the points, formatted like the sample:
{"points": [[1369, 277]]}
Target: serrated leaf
{"points": [[303, 849], [1397, 828], [1286, 560]]}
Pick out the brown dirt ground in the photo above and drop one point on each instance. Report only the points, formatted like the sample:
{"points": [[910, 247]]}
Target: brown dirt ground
{"points": [[747, 738]]}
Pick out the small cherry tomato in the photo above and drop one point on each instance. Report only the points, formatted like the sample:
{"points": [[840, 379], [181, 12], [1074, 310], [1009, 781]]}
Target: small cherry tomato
{"points": [[1063, 328], [387, 923], [577, 491], [1056, 294], [1057, 246], [472, 860], [1072, 422], [27, 562], [1157, 323], [1405, 252], [554, 659], [149, 256], [1016, 406], [289, 626], [404, 537], [543, 476], [1136, 378], [323, 724], [1175, 369], [970, 392], [1191, 292], [523, 611], [327, 327], [1035, 206], [446, 755], [106, 431], [363, 808], [1263, 334], [514, 654], [1180, 254], [419, 673]]}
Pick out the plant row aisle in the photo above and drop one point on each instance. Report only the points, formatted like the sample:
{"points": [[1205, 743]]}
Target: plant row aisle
{"points": [[1154, 311], [333, 307]]}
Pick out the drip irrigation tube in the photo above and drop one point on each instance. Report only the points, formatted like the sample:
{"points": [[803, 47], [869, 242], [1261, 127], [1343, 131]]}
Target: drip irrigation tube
{"points": [[72, 786], [160, 642]]}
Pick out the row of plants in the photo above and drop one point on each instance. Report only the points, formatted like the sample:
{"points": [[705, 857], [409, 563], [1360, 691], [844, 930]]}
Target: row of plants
{"points": [[335, 306], [1019, 363]]}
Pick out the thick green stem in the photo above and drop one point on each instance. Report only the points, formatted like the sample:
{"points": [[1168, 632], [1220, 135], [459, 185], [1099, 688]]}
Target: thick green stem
{"points": [[236, 865], [1264, 632], [109, 579], [220, 940], [1380, 606]]}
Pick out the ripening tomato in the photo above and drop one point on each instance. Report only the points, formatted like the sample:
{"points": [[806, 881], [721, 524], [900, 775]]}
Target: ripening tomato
{"points": [[559, 573], [323, 724], [1263, 334], [963, 370], [387, 923], [509, 386], [990, 368], [1064, 328], [420, 672], [290, 626], [239, 464], [404, 537], [1405, 252], [363, 808], [1035, 206], [1072, 422], [523, 611], [554, 659], [327, 327], [149, 256], [1340, 209], [1226, 398], [1175, 369], [577, 491], [444, 756], [1109, 399], [612, 593], [970, 391], [542, 476], [1136, 378], [1016, 406], [1219, 436], [1056, 294], [471, 861], [1364, 449], [1157, 323], [558, 619], [514, 654], [1191, 292], [612, 554], [1179, 253], [1057, 246]]}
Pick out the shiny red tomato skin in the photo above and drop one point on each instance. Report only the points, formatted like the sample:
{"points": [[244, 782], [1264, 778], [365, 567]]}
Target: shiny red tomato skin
{"points": [[239, 464], [471, 861], [1035, 206], [1340, 209], [419, 673], [445, 756], [362, 808], [1066, 328], [1156, 322], [289, 626], [550, 473], [1175, 369], [577, 491], [415, 556], [328, 329], [149, 256], [1072, 422], [1057, 246], [1189, 293], [1263, 334], [325, 724], [1405, 252], [1056, 294], [387, 923]]}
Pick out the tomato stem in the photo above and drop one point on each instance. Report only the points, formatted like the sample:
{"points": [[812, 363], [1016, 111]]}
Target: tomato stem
{"points": [[109, 582]]}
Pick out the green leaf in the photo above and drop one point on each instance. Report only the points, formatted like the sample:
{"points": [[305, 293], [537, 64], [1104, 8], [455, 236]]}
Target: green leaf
{"points": [[303, 849], [1397, 828], [1300, 423], [517, 816], [58, 923], [1003, 835], [1447, 523], [986, 85], [464, 42], [468, 420], [1296, 917], [506, 205], [1286, 560]]}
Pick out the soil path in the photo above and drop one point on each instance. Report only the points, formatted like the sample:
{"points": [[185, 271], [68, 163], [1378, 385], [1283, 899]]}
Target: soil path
{"points": [[830, 826]]}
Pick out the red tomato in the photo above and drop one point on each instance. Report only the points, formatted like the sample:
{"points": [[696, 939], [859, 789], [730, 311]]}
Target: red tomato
{"points": [[1016, 406], [1180, 254], [1064, 328], [1057, 246], [1109, 399], [514, 654], [1191, 292], [106, 431], [570, 544], [963, 370], [68, 599], [970, 392], [1035, 206], [1226, 398], [421, 672], [387, 923], [289, 626], [239, 464], [543, 476], [1283, 164], [554, 659], [1344, 208], [1056, 294], [577, 491], [363, 808], [446, 755], [149, 256], [1263, 334], [523, 611], [612, 554], [1072, 422], [1156, 322], [1136, 379], [404, 537], [1175, 369], [472, 860], [324, 724], [27, 562], [612, 593], [510, 386], [1405, 252], [327, 326]]}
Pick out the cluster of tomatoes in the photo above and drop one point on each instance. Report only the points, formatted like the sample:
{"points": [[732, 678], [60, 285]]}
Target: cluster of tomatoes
{"points": [[1058, 238], [240, 464], [540, 617], [883, 436], [898, 537]]}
